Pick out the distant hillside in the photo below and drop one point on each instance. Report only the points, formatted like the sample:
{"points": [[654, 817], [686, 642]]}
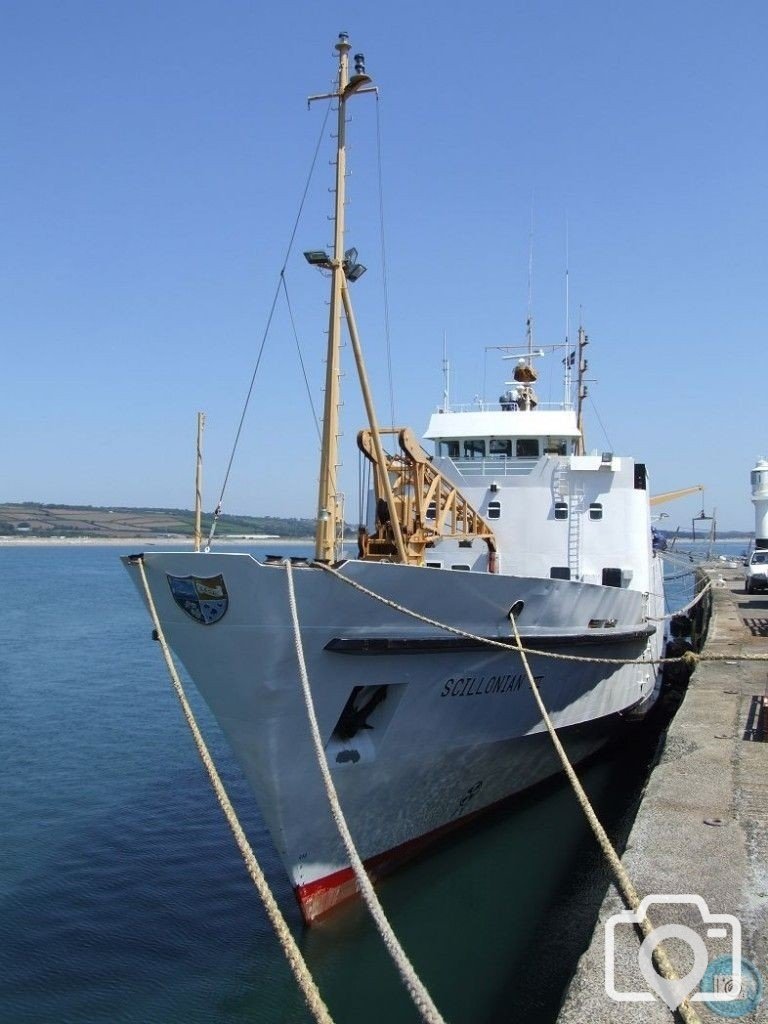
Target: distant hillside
{"points": [[31, 519]]}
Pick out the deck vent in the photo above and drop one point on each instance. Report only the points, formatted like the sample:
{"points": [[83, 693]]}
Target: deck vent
{"points": [[611, 577]]}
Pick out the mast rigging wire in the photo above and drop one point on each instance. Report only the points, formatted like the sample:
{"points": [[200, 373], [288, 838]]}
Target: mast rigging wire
{"points": [[301, 358], [605, 432], [275, 297], [384, 265]]}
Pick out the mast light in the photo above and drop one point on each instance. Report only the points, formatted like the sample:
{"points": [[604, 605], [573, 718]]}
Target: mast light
{"points": [[318, 258], [353, 270]]}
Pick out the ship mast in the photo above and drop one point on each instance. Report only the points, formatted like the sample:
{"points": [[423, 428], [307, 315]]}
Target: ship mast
{"points": [[327, 499], [343, 267]]}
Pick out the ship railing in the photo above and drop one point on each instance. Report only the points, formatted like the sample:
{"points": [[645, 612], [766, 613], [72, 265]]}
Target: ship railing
{"points": [[499, 465], [496, 407]]}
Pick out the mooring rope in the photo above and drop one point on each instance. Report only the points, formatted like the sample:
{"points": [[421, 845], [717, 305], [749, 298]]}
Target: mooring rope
{"points": [[416, 988], [686, 607], [621, 876], [465, 634], [292, 952], [623, 881], [690, 658]]}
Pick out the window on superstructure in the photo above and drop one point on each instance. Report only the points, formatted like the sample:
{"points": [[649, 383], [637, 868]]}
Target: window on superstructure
{"points": [[461, 568], [497, 446], [474, 449], [434, 565], [432, 511], [595, 510], [450, 449], [555, 446], [559, 572], [494, 510], [561, 510], [527, 447]]}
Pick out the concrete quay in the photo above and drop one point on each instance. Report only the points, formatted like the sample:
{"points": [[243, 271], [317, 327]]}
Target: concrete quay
{"points": [[702, 826]]}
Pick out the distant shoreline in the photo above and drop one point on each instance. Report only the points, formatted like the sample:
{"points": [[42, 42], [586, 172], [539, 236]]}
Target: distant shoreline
{"points": [[166, 543]]}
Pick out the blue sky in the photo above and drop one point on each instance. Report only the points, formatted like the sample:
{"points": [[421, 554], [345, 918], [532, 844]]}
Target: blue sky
{"points": [[153, 160]]}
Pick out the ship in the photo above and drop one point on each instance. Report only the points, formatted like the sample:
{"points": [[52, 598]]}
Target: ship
{"points": [[424, 709]]}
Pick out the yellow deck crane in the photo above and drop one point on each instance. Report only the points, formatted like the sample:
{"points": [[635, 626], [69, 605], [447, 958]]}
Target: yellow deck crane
{"points": [[660, 499]]}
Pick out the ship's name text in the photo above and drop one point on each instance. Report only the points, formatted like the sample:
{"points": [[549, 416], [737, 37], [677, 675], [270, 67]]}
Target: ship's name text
{"points": [[474, 686]]}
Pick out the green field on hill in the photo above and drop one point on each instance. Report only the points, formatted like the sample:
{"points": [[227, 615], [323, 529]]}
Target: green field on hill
{"points": [[31, 519]]}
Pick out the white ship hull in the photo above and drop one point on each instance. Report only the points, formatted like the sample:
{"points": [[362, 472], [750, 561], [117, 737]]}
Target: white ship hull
{"points": [[452, 728]]}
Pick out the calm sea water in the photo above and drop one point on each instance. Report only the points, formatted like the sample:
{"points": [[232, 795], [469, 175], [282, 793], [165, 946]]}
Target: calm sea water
{"points": [[123, 897]]}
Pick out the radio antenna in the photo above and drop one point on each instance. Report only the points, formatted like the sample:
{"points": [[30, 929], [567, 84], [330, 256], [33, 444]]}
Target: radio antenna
{"points": [[529, 318], [446, 375], [567, 323]]}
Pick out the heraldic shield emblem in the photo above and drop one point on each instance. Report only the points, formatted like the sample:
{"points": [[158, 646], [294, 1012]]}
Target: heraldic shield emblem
{"points": [[204, 600]]}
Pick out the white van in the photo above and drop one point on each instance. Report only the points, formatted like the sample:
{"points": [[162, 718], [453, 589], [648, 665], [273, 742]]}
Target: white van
{"points": [[756, 575]]}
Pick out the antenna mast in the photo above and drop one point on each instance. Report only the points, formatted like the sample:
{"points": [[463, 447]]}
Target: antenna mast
{"points": [[446, 376], [581, 391], [568, 354], [529, 318]]}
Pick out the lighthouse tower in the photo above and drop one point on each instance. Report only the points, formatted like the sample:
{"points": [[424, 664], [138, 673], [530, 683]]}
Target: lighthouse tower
{"points": [[759, 480]]}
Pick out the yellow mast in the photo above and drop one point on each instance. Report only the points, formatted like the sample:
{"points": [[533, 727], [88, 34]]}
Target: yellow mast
{"points": [[327, 499], [344, 268], [328, 504]]}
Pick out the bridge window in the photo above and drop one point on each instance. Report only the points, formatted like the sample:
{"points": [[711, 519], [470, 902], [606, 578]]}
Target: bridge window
{"points": [[555, 446], [527, 447], [494, 510], [595, 510], [559, 572], [499, 447], [561, 510], [474, 449], [449, 448]]}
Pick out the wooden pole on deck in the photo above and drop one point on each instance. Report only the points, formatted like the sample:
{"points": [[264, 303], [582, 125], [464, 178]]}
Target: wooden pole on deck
{"points": [[199, 482]]}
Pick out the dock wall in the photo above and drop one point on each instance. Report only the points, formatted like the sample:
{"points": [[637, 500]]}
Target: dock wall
{"points": [[702, 826]]}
